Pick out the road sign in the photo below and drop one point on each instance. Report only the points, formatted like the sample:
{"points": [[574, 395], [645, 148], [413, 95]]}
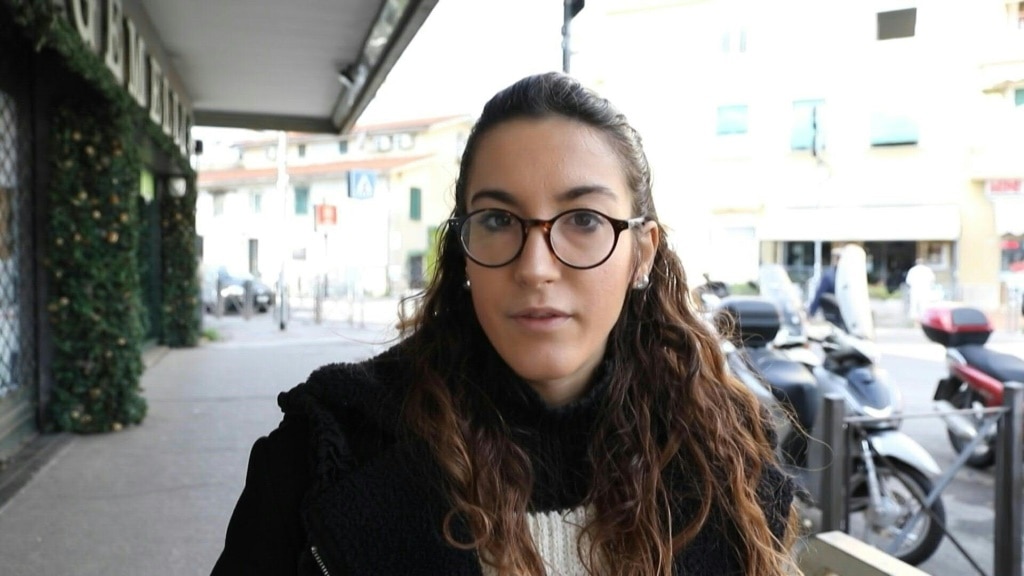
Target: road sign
{"points": [[326, 216], [361, 184]]}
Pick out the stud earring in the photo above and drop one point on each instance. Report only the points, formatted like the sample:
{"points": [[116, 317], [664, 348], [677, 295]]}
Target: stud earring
{"points": [[465, 285], [643, 282]]}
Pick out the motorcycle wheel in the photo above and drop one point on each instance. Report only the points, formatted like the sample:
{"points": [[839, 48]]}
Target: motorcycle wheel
{"points": [[906, 488], [984, 455]]}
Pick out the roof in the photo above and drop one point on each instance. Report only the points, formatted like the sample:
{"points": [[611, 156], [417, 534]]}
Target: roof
{"points": [[309, 66], [240, 176]]}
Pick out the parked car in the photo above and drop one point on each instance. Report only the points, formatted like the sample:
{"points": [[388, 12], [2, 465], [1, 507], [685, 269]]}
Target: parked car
{"points": [[232, 290]]}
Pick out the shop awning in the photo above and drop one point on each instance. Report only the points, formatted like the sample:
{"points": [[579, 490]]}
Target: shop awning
{"points": [[273, 65], [863, 223]]}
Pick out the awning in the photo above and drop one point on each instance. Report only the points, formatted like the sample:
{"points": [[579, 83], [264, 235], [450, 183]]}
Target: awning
{"points": [[861, 223]]}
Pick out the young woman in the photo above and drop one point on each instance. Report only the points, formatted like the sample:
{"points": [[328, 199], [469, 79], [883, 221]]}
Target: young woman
{"points": [[555, 406]]}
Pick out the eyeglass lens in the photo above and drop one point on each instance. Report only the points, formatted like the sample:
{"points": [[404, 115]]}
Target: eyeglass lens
{"points": [[579, 238]]}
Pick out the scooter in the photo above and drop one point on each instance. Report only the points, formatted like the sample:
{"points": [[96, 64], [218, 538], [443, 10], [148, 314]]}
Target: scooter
{"points": [[975, 379], [889, 471]]}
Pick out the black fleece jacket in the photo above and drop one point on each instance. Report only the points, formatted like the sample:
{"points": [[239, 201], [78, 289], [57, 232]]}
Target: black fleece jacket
{"points": [[335, 489]]}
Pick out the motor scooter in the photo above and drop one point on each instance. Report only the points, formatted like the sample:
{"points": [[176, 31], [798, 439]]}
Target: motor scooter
{"points": [[976, 375], [889, 472]]}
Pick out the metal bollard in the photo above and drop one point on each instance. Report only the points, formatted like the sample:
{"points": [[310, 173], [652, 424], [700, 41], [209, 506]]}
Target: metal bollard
{"points": [[1009, 458], [248, 298], [833, 497]]}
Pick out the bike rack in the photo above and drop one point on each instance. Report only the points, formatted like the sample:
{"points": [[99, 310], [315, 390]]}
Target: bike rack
{"points": [[1009, 417]]}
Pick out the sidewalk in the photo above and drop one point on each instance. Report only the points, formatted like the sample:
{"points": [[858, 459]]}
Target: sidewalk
{"points": [[155, 499]]}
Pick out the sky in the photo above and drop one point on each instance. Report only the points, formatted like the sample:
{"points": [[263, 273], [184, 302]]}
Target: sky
{"points": [[465, 52]]}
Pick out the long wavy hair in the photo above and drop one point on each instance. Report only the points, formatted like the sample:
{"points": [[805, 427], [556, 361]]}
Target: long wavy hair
{"points": [[673, 411]]}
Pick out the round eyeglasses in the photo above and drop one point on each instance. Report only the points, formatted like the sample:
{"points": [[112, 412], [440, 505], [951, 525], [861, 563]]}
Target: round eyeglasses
{"points": [[579, 238]]}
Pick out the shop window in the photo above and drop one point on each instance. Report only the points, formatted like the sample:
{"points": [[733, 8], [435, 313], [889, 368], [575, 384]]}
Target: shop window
{"points": [[1012, 254], [415, 204], [731, 120], [301, 200], [897, 24], [807, 131]]}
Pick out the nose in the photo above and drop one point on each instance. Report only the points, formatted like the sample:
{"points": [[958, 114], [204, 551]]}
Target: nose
{"points": [[536, 264]]}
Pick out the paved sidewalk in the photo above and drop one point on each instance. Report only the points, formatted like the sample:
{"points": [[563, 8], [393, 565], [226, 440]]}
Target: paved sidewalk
{"points": [[154, 500]]}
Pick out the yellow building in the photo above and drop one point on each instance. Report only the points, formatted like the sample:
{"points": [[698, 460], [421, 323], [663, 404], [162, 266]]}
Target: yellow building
{"points": [[776, 129], [360, 208]]}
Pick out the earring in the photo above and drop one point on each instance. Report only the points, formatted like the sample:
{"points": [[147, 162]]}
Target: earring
{"points": [[465, 285], [642, 283]]}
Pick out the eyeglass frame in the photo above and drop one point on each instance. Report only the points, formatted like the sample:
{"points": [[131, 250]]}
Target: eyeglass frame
{"points": [[618, 225]]}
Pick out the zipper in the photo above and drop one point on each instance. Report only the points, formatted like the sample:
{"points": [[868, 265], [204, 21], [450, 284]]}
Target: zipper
{"points": [[319, 560]]}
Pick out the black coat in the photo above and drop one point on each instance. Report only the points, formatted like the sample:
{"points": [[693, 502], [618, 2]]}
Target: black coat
{"points": [[337, 486]]}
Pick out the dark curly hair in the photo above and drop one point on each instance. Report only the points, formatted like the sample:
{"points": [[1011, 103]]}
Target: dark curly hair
{"points": [[673, 411]]}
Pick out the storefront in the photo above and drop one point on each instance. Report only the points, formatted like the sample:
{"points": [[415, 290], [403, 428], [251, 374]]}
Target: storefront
{"points": [[98, 250]]}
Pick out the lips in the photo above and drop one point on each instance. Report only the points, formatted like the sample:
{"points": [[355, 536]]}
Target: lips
{"points": [[540, 314]]}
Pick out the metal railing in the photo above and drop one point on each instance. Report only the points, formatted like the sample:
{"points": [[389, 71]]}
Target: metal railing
{"points": [[1009, 418]]}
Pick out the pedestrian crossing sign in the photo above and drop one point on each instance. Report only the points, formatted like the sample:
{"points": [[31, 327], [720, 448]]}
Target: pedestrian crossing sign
{"points": [[361, 184]]}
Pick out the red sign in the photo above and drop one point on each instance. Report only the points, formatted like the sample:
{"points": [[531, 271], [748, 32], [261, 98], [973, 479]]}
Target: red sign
{"points": [[1003, 187], [326, 215]]}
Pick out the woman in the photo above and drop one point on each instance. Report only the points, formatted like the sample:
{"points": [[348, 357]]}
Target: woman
{"points": [[555, 405]]}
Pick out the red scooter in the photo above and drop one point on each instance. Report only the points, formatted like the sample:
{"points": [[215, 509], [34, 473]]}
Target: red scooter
{"points": [[976, 375]]}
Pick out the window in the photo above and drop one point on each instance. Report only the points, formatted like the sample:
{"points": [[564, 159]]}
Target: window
{"points": [[807, 131], [301, 200], [302, 150], [1018, 97], [256, 202], [271, 152], [732, 119], [342, 146], [405, 140], [218, 203], [893, 128], [734, 41], [415, 204], [383, 143], [897, 24]]}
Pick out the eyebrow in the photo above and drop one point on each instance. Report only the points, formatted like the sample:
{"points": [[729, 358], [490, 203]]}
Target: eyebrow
{"points": [[573, 193]]}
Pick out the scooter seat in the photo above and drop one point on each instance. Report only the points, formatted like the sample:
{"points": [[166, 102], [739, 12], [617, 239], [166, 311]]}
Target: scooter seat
{"points": [[791, 382], [1002, 367]]}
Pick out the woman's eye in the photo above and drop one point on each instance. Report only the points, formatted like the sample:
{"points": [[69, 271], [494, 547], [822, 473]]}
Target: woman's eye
{"points": [[584, 220], [496, 220]]}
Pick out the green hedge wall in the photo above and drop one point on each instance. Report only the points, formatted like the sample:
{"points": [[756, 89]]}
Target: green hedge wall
{"points": [[95, 299]]}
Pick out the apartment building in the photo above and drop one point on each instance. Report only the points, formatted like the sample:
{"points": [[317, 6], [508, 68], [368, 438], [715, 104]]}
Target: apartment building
{"points": [[360, 209], [778, 130]]}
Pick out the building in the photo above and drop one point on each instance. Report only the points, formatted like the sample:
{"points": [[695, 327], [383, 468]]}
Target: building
{"points": [[361, 210], [97, 183], [777, 130]]}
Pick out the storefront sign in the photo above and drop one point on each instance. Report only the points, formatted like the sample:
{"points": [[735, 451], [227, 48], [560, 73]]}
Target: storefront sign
{"points": [[105, 29], [1004, 187]]}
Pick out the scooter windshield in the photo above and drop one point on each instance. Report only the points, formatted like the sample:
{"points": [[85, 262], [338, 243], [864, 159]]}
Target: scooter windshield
{"points": [[774, 283]]}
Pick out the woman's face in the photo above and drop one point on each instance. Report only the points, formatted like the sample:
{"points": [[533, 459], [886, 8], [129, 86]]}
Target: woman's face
{"points": [[548, 321]]}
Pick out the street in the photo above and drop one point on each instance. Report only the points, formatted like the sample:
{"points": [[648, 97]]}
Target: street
{"points": [[916, 365]]}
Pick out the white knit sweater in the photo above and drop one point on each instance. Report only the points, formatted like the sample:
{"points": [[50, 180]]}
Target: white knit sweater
{"points": [[555, 535]]}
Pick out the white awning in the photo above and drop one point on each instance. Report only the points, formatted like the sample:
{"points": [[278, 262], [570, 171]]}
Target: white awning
{"points": [[861, 223], [1009, 213]]}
